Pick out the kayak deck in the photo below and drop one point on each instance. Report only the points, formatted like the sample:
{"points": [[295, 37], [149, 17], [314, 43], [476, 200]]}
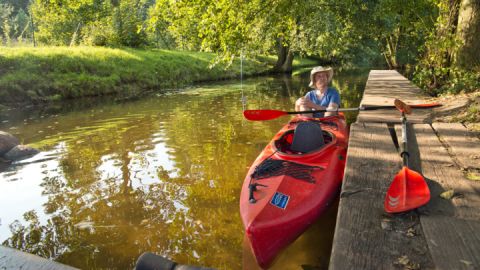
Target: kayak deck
{"points": [[286, 191]]}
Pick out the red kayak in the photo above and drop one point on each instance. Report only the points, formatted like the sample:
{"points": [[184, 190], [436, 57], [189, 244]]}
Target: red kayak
{"points": [[292, 182]]}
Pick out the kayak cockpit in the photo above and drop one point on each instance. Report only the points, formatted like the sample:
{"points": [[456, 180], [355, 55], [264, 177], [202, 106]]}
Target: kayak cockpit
{"points": [[285, 142]]}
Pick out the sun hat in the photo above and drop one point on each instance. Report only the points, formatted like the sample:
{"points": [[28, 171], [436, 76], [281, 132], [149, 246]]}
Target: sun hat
{"points": [[318, 69]]}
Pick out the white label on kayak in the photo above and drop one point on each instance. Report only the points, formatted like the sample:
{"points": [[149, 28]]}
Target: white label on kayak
{"points": [[280, 200]]}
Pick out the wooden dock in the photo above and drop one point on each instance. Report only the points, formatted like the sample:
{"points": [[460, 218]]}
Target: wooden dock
{"points": [[14, 259], [445, 233]]}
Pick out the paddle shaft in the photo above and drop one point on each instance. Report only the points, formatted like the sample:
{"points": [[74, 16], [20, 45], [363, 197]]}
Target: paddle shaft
{"points": [[368, 108], [404, 154], [363, 108], [409, 189], [261, 115]]}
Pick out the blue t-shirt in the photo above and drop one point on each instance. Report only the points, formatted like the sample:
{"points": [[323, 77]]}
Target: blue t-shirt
{"points": [[331, 95]]}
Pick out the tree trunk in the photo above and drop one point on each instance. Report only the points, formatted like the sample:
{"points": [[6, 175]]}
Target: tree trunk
{"points": [[452, 26], [282, 52], [118, 24], [468, 30], [387, 59], [33, 29], [73, 41], [391, 45], [287, 66]]}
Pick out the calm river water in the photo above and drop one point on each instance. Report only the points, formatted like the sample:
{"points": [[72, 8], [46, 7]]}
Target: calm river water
{"points": [[160, 174]]}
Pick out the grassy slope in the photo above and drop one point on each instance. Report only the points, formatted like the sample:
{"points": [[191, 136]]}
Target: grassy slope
{"points": [[29, 75]]}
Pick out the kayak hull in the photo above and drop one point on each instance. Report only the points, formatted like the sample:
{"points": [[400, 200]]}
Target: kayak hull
{"points": [[287, 203]]}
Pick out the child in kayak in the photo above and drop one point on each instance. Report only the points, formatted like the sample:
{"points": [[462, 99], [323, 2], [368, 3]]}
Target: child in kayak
{"points": [[322, 97]]}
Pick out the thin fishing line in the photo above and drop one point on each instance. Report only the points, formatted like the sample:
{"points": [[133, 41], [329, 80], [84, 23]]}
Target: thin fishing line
{"points": [[244, 98]]}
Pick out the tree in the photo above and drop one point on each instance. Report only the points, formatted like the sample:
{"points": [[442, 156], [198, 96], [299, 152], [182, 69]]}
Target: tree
{"points": [[180, 20], [330, 29], [231, 28], [397, 28], [468, 30], [444, 66], [127, 19], [60, 22], [92, 22], [22, 25], [6, 20], [17, 4]]}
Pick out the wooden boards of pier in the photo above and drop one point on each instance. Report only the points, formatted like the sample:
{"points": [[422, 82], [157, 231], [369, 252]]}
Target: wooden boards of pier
{"points": [[382, 88], [444, 234]]}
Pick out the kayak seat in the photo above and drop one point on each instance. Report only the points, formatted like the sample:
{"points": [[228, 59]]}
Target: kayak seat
{"points": [[308, 136]]}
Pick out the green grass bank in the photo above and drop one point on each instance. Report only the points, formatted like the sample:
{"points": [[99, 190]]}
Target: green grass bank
{"points": [[34, 75]]}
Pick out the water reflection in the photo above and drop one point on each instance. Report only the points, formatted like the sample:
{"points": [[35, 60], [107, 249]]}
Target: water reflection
{"points": [[161, 174]]}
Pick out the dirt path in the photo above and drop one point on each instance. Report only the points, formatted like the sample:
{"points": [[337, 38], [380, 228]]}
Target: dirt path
{"points": [[462, 108]]}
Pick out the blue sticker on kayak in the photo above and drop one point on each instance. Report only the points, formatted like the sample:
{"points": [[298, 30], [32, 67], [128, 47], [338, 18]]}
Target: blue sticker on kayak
{"points": [[280, 200]]}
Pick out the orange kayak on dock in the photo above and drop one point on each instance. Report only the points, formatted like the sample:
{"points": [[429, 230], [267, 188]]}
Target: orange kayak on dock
{"points": [[292, 182]]}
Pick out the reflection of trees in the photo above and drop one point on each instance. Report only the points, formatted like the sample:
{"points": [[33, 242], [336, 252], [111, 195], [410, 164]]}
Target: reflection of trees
{"points": [[99, 223], [213, 171], [91, 221], [350, 84], [189, 214]]}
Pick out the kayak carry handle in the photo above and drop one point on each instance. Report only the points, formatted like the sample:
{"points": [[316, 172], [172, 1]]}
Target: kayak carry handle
{"points": [[252, 188]]}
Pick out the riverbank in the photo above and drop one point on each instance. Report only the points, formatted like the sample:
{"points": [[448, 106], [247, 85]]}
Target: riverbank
{"points": [[461, 108], [36, 75]]}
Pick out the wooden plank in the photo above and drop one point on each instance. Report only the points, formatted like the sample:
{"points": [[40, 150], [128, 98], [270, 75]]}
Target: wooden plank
{"points": [[453, 242], [382, 88], [443, 175], [461, 143], [385, 75], [14, 259], [452, 107], [422, 116], [365, 237], [451, 226], [384, 92]]}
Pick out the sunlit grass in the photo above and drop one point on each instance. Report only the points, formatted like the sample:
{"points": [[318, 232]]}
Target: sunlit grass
{"points": [[56, 73]]}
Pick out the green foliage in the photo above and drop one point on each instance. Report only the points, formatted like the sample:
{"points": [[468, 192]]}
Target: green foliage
{"points": [[6, 11], [473, 114], [157, 27], [17, 4], [400, 34], [435, 80], [436, 71], [232, 28], [98, 33], [56, 22], [127, 21], [178, 19], [91, 22], [14, 21], [339, 31], [14, 24], [391, 29]]}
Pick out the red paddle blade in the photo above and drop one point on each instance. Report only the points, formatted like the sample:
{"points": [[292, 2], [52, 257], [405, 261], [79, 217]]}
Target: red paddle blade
{"points": [[426, 105], [407, 191], [259, 115]]}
